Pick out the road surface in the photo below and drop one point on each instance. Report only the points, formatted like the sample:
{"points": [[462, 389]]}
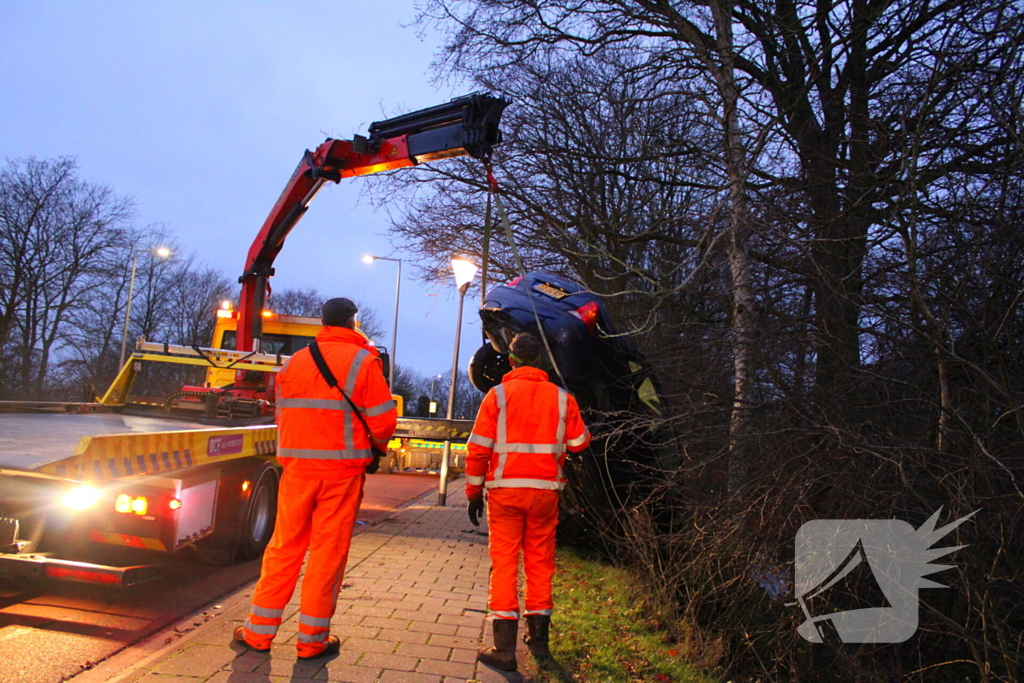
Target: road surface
{"points": [[51, 631]]}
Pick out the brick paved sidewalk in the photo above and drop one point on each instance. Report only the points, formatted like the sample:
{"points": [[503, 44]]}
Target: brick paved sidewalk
{"points": [[411, 611]]}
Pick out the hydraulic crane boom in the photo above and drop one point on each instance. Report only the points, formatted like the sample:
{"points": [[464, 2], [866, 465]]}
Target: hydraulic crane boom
{"points": [[466, 125]]}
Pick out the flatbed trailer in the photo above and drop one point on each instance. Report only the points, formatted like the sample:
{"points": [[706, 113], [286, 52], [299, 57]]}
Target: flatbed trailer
{"points": [[160, 485]]}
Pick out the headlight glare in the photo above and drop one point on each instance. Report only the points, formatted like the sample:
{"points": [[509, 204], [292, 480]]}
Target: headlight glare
{"points": [[81, 498]]}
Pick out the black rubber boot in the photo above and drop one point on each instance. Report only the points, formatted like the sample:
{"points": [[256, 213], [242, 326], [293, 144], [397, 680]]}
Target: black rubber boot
{"points": [[538, 627], [503, 654]]}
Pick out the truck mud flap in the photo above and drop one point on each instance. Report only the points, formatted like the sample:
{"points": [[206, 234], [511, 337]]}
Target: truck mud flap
{"points": [[41, 567]]}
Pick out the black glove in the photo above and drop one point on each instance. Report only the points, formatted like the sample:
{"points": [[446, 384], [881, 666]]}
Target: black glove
{"points": [[476, 508], [375, 463]]}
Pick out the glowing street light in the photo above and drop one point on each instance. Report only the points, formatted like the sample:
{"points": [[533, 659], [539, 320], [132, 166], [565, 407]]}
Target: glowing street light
{"points": [[162, 252], [394, 328], [432, 406], [464, 271]]}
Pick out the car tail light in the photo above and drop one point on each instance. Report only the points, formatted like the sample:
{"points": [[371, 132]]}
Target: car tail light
{"points": [[174, 504], [515, 281], [588, 313]]}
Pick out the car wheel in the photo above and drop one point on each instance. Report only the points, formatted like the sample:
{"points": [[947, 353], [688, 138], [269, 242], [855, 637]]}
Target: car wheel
{"points": [[487, 367], [260, 519]]}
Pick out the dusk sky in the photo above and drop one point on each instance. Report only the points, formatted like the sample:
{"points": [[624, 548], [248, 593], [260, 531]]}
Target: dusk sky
{"points": [[200, 111]]}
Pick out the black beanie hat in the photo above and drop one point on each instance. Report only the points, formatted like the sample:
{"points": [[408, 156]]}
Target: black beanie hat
{"points": [[338, 312]]}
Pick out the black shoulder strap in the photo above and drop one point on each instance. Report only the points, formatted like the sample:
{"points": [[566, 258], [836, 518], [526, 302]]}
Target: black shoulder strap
{"points": [[332, 382], [321, 365]]}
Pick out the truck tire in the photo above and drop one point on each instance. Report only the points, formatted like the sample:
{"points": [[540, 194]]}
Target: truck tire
{"points": [[259, 520]]}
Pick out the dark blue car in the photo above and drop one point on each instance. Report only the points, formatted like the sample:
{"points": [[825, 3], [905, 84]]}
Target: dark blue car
{"points": [[588, 354], [633, 449]]}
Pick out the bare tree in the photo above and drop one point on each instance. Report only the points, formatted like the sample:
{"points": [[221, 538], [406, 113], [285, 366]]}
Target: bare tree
{"points": [[57, 232]]}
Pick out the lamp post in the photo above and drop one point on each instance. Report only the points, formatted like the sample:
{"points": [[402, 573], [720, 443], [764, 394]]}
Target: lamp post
{"points": [[394, 328], [162, 252], [464, 271]]}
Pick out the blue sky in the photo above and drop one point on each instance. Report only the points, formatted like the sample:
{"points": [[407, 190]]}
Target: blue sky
{"points": [[200, 111]]}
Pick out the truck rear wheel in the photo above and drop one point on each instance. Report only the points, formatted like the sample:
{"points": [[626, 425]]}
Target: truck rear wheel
{"points": [[259, 521]]}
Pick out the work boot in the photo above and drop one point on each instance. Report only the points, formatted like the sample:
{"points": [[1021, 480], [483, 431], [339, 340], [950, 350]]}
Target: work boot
{"points": [[538, 627], [239, 638], [503, 654], [332, 647]]}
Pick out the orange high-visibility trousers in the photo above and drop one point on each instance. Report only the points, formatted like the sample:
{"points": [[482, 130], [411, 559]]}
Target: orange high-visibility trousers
{"points": [[317, 514], [521, 520]]}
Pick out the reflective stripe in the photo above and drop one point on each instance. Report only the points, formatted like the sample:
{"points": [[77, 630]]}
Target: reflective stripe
{"points": [[317, 403], [580, 440], [545, 484], [316, 622], [481, 440], [475, 481], [350, 389], [318, 638], [323, 454], [381, 409], [545, 612], [262, 629], [265, 612], [528, 448], [353, 371], [499, 394], [563, 410], [503, 615]]}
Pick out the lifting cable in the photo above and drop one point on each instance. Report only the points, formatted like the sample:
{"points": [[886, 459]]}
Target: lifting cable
{"points": [[492, 184]]}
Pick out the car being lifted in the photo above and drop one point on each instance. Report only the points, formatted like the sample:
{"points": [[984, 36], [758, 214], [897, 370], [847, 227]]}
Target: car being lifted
{"points": [[599, 365], [615, 386]]}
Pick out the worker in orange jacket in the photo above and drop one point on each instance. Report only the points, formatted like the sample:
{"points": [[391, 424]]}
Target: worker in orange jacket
{"points": [[517, 452], [329, 420]]}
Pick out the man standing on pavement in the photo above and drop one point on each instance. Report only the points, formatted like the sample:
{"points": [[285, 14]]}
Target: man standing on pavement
{"points": [[334, 408], [517, 451]]}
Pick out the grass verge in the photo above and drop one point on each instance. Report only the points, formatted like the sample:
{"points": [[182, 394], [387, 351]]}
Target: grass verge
{"points": [[600, 633]]}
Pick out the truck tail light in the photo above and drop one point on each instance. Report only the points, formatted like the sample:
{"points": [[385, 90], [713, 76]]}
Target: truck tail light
{"points": [[85, 574], [174, 504], [588, 314], [126, 504]]}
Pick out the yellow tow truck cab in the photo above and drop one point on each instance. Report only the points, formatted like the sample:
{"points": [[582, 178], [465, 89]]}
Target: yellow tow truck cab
{"points": [[283, 335]]}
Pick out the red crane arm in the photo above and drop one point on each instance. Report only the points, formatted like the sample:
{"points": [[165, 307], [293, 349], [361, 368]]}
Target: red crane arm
{"points": [[466, 125]]}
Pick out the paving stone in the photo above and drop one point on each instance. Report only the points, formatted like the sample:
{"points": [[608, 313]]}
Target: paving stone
{"points": [[427, 627], [403, 636], [347, 673], [424, 651], [459, 670], [197, 661], [369, 645], [391, 662], [408, 677]]}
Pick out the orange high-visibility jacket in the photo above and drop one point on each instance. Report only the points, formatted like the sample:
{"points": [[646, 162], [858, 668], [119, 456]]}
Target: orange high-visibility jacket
{"points": [[318, 435], [521, 433]]}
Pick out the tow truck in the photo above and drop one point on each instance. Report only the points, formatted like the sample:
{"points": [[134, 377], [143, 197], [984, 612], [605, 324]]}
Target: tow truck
{"points": [[126, 470]]}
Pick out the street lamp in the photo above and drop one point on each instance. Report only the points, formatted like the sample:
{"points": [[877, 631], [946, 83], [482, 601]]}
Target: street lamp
{"points": [[464, 271], [394, 328], [432, 407], [162, 252]]}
